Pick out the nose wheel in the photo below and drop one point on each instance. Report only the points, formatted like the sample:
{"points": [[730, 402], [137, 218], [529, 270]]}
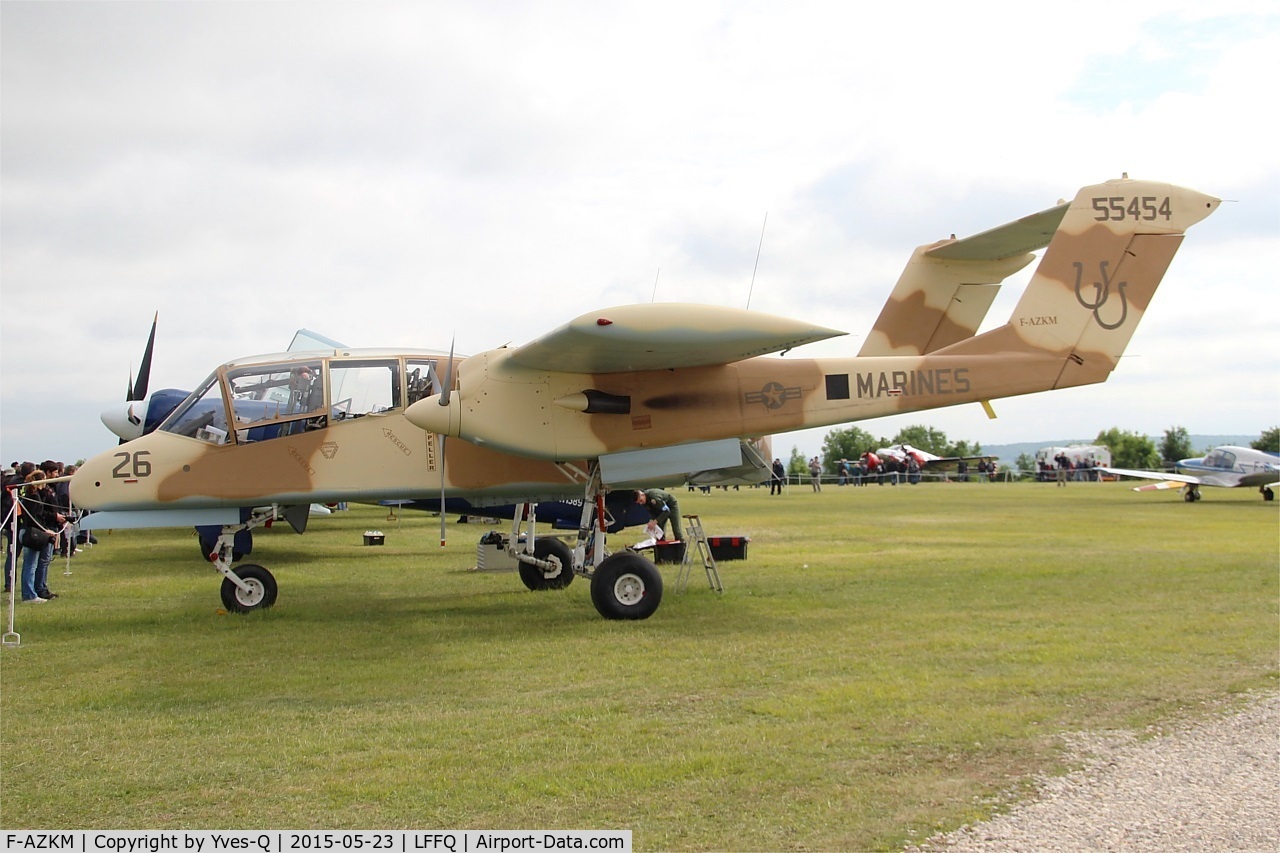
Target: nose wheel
{"points": [[248, 587], [256, 591]]}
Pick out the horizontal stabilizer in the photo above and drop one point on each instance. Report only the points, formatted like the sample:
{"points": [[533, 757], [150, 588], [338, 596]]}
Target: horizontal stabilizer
{"points": [[1028, 234], [944, 294]]}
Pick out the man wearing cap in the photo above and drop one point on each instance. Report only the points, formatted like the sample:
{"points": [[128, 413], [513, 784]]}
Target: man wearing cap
{"points": [[662, 508]]}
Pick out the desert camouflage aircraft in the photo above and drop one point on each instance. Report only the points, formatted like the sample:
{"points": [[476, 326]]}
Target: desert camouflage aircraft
{"points": [[639, 391], [1226, 467]]}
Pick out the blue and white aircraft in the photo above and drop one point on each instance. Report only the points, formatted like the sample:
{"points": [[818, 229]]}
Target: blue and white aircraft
{"points": [[1225, 467]]}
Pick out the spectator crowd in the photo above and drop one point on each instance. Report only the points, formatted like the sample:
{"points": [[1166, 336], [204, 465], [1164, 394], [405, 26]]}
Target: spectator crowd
{"points": [[45, 525]]}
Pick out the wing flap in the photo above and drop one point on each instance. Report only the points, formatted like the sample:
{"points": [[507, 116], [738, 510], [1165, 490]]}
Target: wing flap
{"points": [[662, 336]]}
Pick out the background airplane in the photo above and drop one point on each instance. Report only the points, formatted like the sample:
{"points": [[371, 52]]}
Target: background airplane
{"points": [[926, 460], [639, 393], [1225, 467]]}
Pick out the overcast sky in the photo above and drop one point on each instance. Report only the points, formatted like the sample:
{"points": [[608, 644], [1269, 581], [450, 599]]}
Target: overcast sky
{"points": [[397, 174]]}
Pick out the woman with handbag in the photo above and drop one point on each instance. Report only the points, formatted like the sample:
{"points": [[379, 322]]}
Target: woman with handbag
{"points": [[40, 521]]}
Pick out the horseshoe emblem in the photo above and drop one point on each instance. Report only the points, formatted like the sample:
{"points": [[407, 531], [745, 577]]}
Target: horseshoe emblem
{"points": [[1101, 293]]}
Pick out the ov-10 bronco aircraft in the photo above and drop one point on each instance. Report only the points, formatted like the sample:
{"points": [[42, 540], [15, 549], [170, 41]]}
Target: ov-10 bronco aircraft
{"points": [[639, 392], [1226, 467]]}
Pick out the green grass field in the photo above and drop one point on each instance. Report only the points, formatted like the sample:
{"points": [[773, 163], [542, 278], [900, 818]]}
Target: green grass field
{"points": [[889, 661]]}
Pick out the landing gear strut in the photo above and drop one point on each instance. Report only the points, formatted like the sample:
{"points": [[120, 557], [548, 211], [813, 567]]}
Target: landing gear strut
{"points": [[248, 587], [623, 585]]}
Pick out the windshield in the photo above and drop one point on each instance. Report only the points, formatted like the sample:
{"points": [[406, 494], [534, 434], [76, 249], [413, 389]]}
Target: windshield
{"points": [[202, 415], [1220, 459]]}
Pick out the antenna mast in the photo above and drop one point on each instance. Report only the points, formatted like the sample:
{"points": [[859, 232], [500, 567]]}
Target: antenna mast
{"points": [[751, 289]]}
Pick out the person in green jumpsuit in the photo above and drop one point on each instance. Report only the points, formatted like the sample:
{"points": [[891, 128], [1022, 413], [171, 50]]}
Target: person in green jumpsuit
{"points": [[662, 507]]}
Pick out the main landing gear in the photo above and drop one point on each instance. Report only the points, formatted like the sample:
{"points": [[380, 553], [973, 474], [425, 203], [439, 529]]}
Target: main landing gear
{"points": [[623, 585], [1191, 493]]}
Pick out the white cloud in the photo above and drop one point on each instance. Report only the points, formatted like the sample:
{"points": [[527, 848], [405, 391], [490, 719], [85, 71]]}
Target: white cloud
{"points": [[394, 174]]}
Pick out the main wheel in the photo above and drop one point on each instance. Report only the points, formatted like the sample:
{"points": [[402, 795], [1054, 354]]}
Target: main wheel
{"points": [[556, 551], [626, 586], [1268, 494], [260, 595]]}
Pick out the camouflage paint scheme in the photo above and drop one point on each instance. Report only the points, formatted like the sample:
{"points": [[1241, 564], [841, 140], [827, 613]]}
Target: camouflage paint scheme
{"points": [[652, 376], [1107, 252]]}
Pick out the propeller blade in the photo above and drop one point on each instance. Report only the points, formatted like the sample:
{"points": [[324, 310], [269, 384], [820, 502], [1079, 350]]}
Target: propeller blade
{"points": [[448, 384], [444, 401], [442, 519], [139, 385]]}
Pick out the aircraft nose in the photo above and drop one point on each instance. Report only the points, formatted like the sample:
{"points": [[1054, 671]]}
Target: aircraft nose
{"points": [[429, 415], [126, 419], [81, 487]]}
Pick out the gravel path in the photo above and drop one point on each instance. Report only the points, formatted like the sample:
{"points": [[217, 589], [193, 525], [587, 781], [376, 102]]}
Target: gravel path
{"points": [[1210, 786]]}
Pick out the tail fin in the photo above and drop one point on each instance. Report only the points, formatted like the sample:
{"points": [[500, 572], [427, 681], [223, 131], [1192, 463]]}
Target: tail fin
{"points": [[1097, 277], [947, 288]]}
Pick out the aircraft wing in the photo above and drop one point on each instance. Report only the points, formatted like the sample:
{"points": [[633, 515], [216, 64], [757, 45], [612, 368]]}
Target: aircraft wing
{"points": [[661, 336], [1168, 481]]}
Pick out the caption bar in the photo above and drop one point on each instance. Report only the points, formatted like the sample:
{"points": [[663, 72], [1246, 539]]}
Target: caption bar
{"points": [[291, 841]]}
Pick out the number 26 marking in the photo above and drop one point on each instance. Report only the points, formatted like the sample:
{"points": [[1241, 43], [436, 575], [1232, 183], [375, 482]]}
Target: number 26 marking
{"points": [[139, 466]]}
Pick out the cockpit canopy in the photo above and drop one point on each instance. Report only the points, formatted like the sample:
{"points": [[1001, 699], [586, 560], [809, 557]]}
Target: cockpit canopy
{"points": [[1220, 459], [245, 402]]}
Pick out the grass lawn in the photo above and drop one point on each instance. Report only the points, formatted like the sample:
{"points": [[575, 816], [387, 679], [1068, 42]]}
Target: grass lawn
{"points": [[888, 662]]}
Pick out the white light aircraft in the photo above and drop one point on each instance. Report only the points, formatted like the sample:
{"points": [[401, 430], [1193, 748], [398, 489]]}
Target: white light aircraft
{"points": [[1224, 467]]}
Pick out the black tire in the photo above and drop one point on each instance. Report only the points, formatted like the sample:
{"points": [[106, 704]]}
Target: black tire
{"points": [[261, 595], [207, 545], [1268, 494], [549, 549], [626, 586]]}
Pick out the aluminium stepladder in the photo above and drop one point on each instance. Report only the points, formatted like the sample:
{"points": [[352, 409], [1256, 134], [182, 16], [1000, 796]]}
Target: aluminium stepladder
{"points": [[697, 539]]}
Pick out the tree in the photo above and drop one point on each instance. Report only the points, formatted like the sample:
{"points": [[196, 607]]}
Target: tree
{"points": [[963, 448], [848, 443], [935, 441], [797, 465], [1270, 440], [923, 438], [1026, 462], [1129, 449], [1175, 445]]}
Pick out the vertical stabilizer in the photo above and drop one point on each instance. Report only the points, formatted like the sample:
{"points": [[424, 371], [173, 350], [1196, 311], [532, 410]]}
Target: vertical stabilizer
{"points": [[1097, 277]]}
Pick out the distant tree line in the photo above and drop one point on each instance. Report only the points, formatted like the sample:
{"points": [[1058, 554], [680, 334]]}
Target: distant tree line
{"points": [[851, 442], [1129, 449]]}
